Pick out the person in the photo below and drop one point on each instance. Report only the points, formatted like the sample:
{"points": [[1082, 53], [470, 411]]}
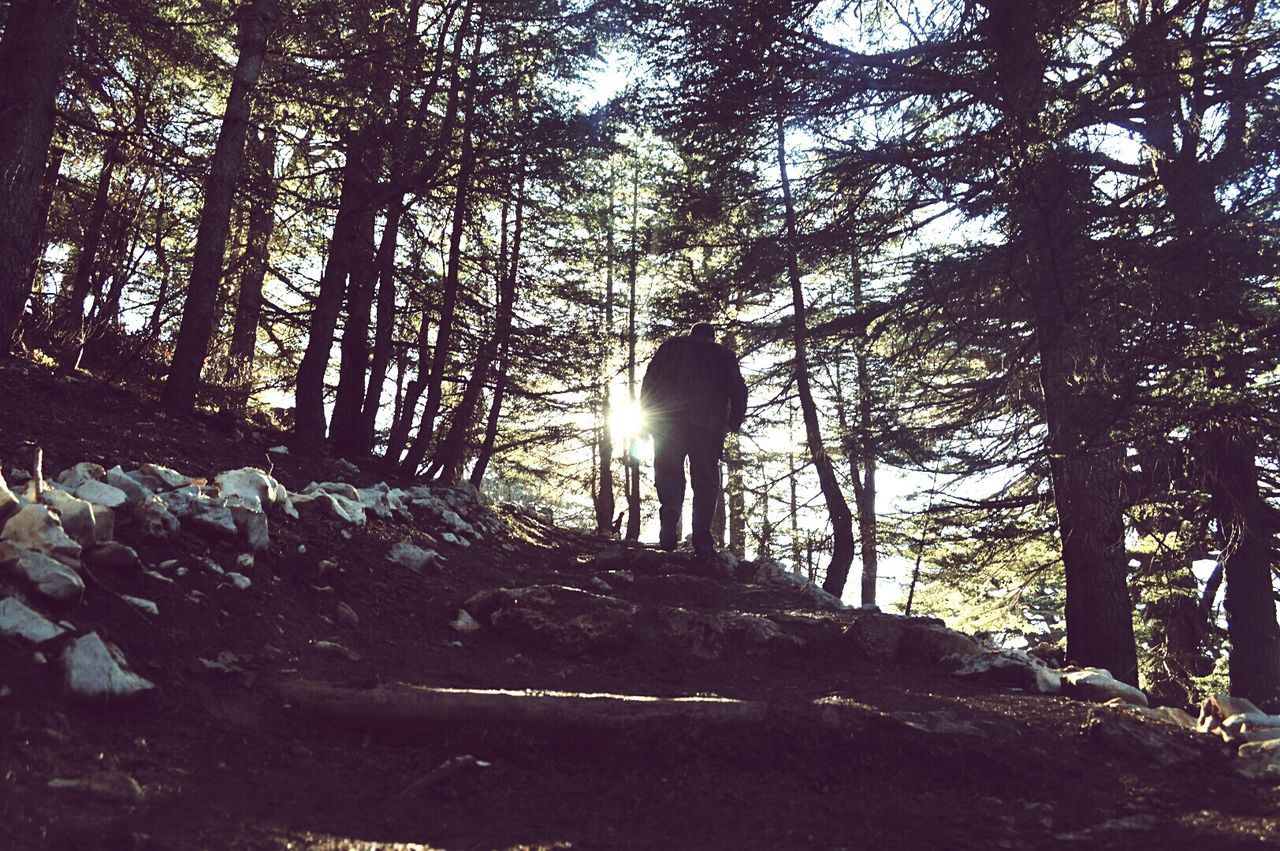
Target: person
{"points": [[692, 396]]}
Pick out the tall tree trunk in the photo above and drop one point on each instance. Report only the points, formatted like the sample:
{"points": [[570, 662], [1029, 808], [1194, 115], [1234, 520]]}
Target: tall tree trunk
{"points": [[384, 326], [40, 309], [633, 457], [33, 51], [1086, 465], [451, 456], [73, 325], [449, 297], [257, 18], [262, 220], [309, 421], [837, 507], [605, 501]]}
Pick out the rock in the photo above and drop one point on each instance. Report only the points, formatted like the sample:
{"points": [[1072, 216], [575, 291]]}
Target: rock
{"points": [[278, 450], [383, 501], [37, 528], [209, 518], [73, 477], [8, 500], [109, 786], [600, 585], [155, 521], [1169, 715], [455, 523], [1014, 668], [170, 478], [250, 522], [347, 467], [338, 507], [756, 635], [51, 579], [456, 540], [244, 561], [102, 493], [1223, 706], [348, 616], [464, 623], [96, 672], [142, 605], [932, 642], [19, 621], [113, 556], [75, 514], [104, 524], [1121, 733], [134, 491], [1098, 685], [1259, 760], [875, 636], [1245, 722], [341, 489], [701, 635], [414, 557], [252, 486], [240, 581], [555, 615], [327, 567], [333, 648]]}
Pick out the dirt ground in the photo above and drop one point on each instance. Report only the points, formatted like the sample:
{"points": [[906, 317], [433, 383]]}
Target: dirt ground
{"points": [[224, 762]]}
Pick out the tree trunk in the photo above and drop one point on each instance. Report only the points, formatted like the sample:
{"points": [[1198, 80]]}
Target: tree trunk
{"points": [[384, 328], [633, 459], [1086, 464], [605, 501], [837, 508], [309, 422], [257, 19], [449, 297], [73, 318], [33, 50], [262, 220], [40, 309]]}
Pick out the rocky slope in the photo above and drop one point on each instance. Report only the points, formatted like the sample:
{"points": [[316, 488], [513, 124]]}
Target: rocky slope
{"points": [[210, 644]]}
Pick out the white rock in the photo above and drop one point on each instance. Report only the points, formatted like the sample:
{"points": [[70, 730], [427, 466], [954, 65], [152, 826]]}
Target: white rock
{"points": [[240, 580], [600, 585], [244, 561], [50, 578], [1097, 684], [8, 500], [155, 521], [334, 505], [456, 540], [17, 620], [141, 605], [347, 467], [102, 493], [104, 524], [208, 517], [134, 491], [336, 649], [251, 523], [170, 477], [348, 615], [339, 488], [279, 450], [75, 514], [73, 477], [1243, 722], [454, 521], [35, 527], [464, 623], [249, 482], [412, 556], [111, 786], [94, 672]]}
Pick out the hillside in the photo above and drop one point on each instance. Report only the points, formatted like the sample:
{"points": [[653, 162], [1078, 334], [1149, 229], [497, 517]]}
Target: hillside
{"points": [[317, 694]]}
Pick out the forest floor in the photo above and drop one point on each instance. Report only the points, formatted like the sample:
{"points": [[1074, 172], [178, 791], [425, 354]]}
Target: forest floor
{"points": [[225, 762]]}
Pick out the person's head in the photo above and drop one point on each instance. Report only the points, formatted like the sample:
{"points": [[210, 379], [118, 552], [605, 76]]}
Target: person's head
{"points": [[703, 331]]}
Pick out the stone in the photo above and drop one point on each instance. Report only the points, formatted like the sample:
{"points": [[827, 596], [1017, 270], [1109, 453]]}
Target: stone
{"points": [[244, 561], [142, 605], [1098, 685], [464, 623], [250, 522], [17, 620], [1223, 706], [1245, 722], [701, 635], [113, 556], [209, 518], [1014, 668], [456, 524], [600, 585], [52, 579], [1123, 734], [253, 486], [338, 507], [102, 493], [333, 648], [278, 450], [1260, 760], [934, 643], [104, 524], [240, 580], [1169, 715], [169, 477], [555, 615], [37, 528], [456, 540], [756, 635], [108, 786], [8, 500], [348, 616], [383, 501], [876, 636], [155, 521], [414, 557], [341, 489], [94, 671], [75, 514], [86, 471], [134, 491]]}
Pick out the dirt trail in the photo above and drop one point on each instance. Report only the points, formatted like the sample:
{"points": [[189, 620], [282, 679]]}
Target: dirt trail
{"points": [[836, 751]]}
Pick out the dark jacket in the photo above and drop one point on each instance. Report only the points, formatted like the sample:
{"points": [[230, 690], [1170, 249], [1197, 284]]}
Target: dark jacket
{"points": [[695, 381]]}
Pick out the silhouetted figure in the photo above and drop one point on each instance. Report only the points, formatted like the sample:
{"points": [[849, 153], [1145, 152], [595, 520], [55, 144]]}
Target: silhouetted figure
{"points": [[692, 396]]}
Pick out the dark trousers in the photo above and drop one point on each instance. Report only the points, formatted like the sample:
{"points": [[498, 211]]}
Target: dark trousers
{"points": [[672, 443]]}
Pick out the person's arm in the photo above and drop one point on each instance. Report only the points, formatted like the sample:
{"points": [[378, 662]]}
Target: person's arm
{"points": [[651, 389], [737, 395]]}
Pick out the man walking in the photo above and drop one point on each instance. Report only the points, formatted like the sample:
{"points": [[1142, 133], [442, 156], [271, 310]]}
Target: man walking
{"points": [[692, 396]]}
